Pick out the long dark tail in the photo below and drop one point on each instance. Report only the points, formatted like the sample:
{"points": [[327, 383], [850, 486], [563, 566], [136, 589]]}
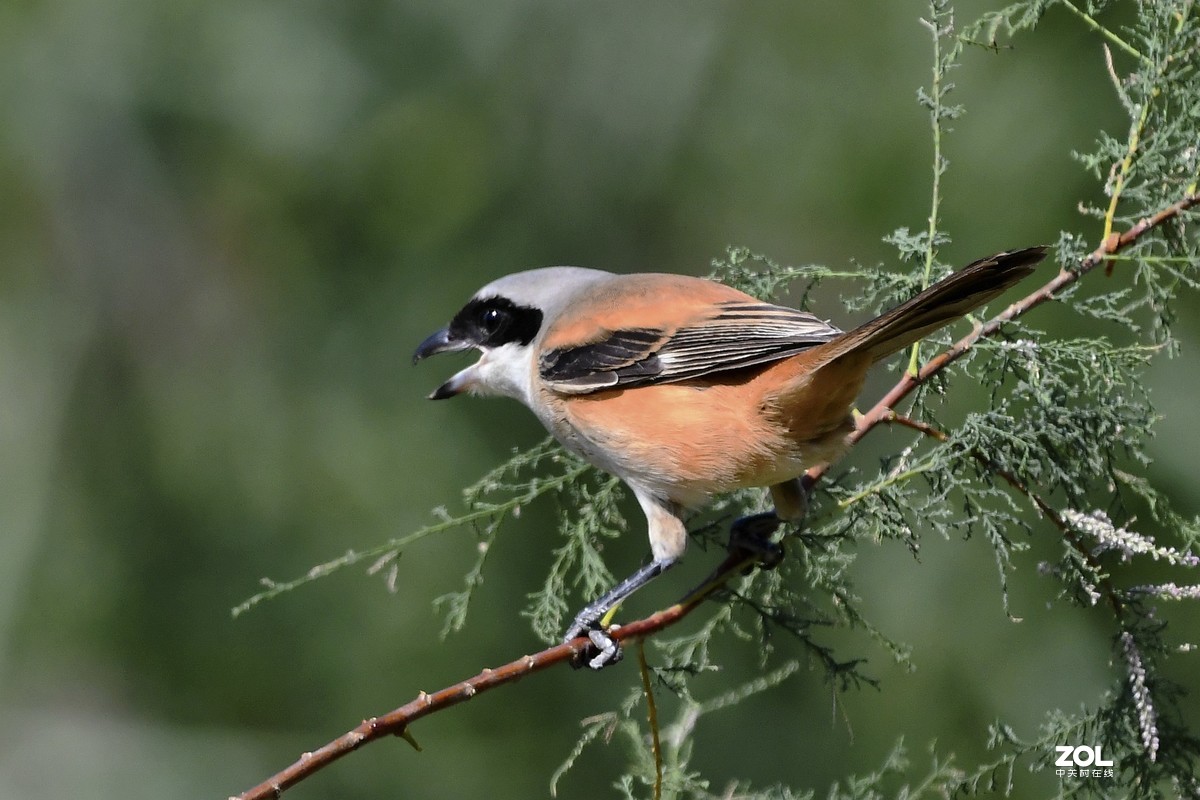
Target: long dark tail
{"points": [[950, 298]]}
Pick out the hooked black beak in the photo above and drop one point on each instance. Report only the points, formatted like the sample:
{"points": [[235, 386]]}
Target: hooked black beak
{"points": [[440, 342], [445, 342]]}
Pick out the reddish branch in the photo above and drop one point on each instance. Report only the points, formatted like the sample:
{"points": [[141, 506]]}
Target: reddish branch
{"points": [[397, 722]]}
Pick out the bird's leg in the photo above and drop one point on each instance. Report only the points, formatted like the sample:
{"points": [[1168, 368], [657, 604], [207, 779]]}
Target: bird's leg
{"points": [[587, 621], [791, 501], [668, 538]]}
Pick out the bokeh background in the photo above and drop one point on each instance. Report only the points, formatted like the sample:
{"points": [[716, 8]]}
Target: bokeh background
{"points": [[225, 225]]}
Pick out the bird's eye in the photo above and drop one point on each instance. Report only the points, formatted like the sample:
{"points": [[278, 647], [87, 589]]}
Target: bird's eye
{"points": [[493, 320]]}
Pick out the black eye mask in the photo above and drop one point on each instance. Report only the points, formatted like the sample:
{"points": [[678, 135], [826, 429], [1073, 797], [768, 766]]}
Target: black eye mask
{"points": [[496, 321]]}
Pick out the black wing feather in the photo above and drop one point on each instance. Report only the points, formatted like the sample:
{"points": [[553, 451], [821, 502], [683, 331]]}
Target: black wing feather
{"points": [[602, 364], [740, 335]]}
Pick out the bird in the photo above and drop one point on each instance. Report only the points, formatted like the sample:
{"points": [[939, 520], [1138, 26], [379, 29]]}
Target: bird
{"points": [[686, 388]]}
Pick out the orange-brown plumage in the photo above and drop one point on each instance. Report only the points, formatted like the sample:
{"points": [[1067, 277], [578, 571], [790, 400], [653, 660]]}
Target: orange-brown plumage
{"points": [[661, 301]]}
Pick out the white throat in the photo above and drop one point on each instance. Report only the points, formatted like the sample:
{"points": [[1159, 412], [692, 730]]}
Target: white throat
{"points": [[505, 371]]}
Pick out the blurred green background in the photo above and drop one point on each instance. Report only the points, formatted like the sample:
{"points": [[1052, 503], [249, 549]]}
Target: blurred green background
{"points": [[225, 225]]}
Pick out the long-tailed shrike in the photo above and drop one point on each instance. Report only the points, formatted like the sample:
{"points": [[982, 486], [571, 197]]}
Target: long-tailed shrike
{"points": [[685, 388]]}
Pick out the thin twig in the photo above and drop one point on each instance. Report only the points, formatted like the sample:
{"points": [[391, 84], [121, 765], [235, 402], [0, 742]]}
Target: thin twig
{"points": [[917, 425], [1091, 22], [936, 111], [651, 719]]}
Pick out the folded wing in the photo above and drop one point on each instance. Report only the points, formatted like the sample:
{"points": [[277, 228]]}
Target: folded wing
{"points": [[737, 335]]}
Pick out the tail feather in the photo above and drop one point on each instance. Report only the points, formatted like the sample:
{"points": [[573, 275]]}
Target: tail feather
{"points": [[950, 298]]}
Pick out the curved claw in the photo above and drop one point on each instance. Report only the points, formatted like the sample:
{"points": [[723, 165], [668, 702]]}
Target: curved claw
{"points": [[590, 621], [610, 651], [602, 651]]}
